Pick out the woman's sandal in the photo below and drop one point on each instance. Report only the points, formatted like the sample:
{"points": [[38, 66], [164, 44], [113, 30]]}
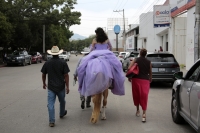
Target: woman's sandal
{"points": [[144, 118], [137, 113]]}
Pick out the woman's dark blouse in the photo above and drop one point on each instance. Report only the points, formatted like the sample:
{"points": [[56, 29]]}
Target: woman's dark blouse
{"points": [[144, 68]]}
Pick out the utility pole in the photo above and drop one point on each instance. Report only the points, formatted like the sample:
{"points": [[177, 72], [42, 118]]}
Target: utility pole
{"points": [[124, 32], [197, 32], [43, 39]]}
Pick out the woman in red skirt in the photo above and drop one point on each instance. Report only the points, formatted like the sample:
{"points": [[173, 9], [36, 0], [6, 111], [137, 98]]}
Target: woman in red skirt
{"points": [[141, 83]]}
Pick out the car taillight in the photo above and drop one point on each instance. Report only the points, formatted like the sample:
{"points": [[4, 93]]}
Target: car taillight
{"points": [[121, 56], [175, 66]]}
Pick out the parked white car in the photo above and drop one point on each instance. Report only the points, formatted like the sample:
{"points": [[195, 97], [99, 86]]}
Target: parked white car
{"points": [[49, 56], [64, 56], [123, 54], [117, 55], [69, 54]]}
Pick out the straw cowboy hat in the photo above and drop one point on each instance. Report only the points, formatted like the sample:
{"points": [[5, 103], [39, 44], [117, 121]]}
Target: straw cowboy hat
{"points": [[54, 51]]}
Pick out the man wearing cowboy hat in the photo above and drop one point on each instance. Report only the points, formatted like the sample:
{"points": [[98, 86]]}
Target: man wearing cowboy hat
{"points": [[58, 79]]}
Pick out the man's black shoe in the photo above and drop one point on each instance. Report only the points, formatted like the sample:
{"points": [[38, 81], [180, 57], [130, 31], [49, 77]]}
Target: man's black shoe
{"points": [[83, 104], [88, 105], [64, 114]]}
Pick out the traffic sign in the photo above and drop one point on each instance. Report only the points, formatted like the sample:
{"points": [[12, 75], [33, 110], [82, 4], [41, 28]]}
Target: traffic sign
{"points": [[117, 29]]}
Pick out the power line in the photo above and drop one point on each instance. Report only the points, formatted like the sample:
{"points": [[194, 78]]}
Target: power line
{"points": [[114, 8], [149, 9], [124, 4], [120, 4]]}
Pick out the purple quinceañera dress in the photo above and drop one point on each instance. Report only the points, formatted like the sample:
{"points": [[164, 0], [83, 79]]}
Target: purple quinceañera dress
{"points": [[99, 70]]}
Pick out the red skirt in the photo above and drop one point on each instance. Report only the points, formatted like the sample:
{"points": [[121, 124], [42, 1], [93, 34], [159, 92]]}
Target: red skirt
{"points": [[140, 91]]}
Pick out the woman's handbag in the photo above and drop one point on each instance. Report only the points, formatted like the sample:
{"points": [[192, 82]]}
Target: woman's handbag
{"points": [[134, 70]]}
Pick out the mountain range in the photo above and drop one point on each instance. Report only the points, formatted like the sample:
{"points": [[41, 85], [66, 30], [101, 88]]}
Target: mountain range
{"points": [[77, 37]]}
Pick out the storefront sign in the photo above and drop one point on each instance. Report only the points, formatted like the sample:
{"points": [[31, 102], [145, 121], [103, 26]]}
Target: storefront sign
{"points": [[161, 16]]}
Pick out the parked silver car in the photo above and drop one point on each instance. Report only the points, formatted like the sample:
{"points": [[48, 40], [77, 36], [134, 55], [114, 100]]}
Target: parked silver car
{"points": [[129, 57], [185, 103]]}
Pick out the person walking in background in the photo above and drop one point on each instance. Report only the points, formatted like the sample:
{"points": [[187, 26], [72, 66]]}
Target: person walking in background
{"points": [[82, 97], [58, 79], [161, 49], [141, 83]]}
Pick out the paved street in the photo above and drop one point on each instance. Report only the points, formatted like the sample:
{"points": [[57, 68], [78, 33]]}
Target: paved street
{"points": [[23, 107]]}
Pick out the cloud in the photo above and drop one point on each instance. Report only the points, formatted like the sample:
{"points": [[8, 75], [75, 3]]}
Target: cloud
{"points": [[95, 14]]}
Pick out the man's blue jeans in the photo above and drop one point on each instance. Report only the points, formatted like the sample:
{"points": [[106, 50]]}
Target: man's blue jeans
{"points": [[51, 103]]}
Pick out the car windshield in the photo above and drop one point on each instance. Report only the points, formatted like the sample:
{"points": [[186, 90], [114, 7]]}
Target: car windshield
{"points": [[132, 55], [161, 58], [136, 54], [64, 53], [17, 53]]}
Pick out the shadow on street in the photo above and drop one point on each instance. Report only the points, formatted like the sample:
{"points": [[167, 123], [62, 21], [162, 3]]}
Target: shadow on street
{"points": [[160, 85]]}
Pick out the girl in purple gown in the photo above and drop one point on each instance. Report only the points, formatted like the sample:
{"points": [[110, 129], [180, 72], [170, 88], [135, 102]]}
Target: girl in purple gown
{"points": [[100, 69]]}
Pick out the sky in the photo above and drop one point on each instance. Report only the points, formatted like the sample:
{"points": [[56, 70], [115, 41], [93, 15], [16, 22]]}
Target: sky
{"points": [[96, 12]]}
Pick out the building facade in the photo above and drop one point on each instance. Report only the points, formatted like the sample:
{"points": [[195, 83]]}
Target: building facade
{"points": [[178, 38]]}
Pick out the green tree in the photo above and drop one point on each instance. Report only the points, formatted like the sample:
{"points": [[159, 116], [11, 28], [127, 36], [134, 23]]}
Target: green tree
{"points": [[27, 17]]}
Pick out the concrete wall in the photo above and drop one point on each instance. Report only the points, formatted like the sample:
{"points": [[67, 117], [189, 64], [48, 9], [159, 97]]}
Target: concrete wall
{"points": [[180, 39], [172, 39], [190, 38], [150, 37]]}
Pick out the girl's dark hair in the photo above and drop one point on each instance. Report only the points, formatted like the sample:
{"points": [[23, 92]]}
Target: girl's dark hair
{"points": [[100, 35], [143, 52]]}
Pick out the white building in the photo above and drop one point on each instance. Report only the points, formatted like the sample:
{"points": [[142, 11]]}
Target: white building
{"points": [[177, 39]]}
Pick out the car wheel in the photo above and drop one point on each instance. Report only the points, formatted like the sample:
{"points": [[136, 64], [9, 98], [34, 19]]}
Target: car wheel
{"points": [[68, 59], [36, 61], [171, 83], [24, 63], [124, 70], [40, 60], [177, 118], [30, 62]]}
